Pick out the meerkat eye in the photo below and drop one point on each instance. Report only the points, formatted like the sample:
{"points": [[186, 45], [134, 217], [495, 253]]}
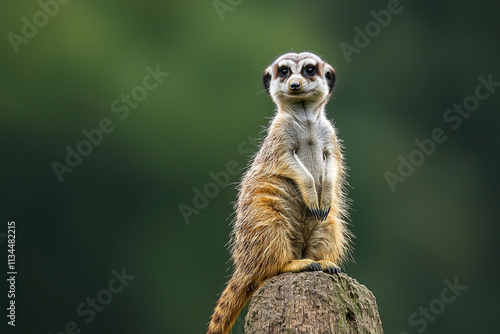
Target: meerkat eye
{"points": [[309, 70], [283, 71]]}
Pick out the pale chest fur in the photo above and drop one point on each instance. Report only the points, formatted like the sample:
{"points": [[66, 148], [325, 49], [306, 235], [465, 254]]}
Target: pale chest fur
{"points": [[311, 141]]}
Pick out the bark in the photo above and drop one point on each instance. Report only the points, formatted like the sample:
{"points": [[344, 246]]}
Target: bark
{"points": [[310, 303]]}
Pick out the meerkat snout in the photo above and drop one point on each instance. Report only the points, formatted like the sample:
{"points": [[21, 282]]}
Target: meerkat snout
{"points": [[295, 86]]}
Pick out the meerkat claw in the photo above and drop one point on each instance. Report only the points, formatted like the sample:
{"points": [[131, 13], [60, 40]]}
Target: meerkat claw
{"points": [[325, 214], [332, 270], [314, 267], [315, 213]]}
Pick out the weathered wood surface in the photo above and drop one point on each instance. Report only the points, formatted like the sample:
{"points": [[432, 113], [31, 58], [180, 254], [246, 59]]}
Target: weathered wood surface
{"points": [[310, 303]]}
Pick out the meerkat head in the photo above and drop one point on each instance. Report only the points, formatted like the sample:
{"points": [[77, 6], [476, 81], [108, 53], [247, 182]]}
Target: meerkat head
{"points": [[295, 77]]}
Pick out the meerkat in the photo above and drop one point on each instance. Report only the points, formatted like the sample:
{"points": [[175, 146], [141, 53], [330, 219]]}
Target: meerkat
{"points": [[291, 209]]}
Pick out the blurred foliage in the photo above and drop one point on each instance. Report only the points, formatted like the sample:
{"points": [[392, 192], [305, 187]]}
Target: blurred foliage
{"points": [[120, 206]]}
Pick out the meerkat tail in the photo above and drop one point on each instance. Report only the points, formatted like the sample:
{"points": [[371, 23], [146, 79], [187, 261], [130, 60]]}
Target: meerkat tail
{"points": [[230, 304]]}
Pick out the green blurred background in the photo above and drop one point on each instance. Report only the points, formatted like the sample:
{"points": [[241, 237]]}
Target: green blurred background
{"points": [[119, 208]]}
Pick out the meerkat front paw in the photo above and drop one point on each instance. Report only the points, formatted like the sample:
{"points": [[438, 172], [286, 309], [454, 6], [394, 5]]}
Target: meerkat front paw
{"points": [[317, 213], [329, 267], [325, 205], [311, 200], [324, 211]]}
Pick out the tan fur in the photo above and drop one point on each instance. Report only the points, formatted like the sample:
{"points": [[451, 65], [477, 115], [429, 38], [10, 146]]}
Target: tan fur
{"points": [[291, 206]]}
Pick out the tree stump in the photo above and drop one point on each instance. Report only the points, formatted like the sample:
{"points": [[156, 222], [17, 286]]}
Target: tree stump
{"points": [[312, 303]]}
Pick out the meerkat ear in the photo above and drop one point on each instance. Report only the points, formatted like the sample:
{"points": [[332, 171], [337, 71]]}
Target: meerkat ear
{"points": [[330, 77], [266, 79]]}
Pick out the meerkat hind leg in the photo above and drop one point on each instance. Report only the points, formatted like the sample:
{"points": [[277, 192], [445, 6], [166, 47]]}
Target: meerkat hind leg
{"points": [[329, 267], [296, 266]]}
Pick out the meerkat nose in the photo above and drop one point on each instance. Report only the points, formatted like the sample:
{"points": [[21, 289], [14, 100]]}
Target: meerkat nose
{"points": [[295, 85]]}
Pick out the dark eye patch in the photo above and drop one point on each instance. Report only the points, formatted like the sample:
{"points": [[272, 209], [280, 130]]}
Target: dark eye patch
{"points": [[309, 70], [283, 71]]}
